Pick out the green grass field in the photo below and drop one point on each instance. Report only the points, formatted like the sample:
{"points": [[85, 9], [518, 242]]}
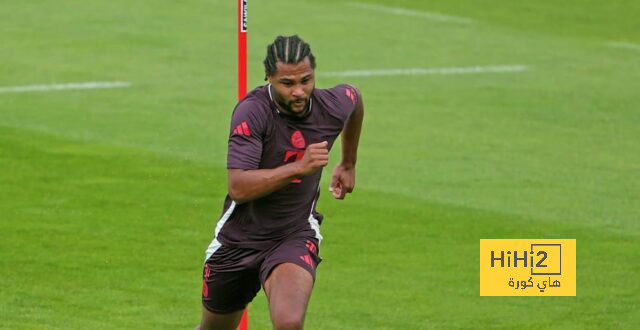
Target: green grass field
{"points": [[108, 198]]}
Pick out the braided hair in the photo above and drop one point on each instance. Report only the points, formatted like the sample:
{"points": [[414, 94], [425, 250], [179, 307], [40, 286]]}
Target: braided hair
{"points": [[287, 50]]}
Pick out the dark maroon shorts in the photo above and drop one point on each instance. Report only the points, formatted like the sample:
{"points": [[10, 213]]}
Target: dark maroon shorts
{"points": [[233, 276]]}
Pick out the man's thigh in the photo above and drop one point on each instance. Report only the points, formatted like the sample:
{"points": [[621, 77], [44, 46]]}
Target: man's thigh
{"points": [[229, 282], [288, 290], [289, 274], [302, 249]]}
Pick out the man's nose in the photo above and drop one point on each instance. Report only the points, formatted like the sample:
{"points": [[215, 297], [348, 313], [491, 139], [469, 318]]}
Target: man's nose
{"points": [[297, 91]]}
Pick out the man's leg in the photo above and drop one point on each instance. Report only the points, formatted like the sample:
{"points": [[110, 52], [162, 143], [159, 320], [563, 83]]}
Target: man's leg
{"points": [[229, 282], [216, 321], [288, 290]]}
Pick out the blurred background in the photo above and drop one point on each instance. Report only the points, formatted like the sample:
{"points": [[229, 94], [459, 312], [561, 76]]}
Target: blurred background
{"points": [[484, 119]]}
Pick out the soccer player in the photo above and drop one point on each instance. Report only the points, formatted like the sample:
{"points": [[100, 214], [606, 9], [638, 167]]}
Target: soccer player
{"points": [[269, 233]]}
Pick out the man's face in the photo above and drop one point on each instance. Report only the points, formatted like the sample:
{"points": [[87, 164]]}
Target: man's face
{"points": [[292, 86]]}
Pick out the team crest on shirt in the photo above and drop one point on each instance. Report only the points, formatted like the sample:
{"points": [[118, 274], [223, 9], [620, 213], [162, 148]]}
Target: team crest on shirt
{"points": [[297, 140]]}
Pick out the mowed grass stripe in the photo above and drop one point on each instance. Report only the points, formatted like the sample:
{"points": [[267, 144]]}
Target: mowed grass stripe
{"points": [[431, 16], [427, 71], [120, 234], [65, 86], [625, 45]]}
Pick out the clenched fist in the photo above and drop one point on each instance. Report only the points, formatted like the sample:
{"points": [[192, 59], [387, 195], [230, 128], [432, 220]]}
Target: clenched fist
{"points": [[316, 156]]}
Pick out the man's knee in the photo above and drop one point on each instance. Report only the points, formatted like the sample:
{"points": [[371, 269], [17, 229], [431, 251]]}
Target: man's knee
{"points": [[287, 321], [216, 321]]}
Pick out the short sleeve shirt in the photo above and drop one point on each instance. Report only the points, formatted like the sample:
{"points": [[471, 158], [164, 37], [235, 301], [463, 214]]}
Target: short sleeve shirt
{"points": [[263, 138]]}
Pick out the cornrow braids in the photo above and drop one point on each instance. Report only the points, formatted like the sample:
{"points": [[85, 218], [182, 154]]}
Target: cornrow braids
{"points": [[287, 50]]}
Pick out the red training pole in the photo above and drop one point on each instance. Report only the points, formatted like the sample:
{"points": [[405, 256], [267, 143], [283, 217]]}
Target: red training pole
{"points": [[244, 322], [242, 48], [242, 91]]}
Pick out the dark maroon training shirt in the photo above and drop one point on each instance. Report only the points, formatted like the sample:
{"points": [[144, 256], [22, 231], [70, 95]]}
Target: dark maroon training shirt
{"points": [[263, 138]]}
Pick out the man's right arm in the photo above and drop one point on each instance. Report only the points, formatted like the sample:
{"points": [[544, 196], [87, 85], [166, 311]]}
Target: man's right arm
{"points": [[247, 185]]}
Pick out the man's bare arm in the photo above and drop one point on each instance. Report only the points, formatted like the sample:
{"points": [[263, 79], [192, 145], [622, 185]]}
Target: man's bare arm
{"points": [[343, 179], [351, 135], [247, 185]]}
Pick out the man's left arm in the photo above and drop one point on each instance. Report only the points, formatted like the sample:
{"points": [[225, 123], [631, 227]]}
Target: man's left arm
{"points": [[343, 179]]}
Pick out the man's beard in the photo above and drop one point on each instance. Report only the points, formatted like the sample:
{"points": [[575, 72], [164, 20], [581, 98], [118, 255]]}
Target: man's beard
{"points": [[288, 107]]}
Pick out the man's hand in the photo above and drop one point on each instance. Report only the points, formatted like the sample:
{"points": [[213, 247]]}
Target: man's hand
{"points": [[248, 185], [315, 157], [342, 181], [344, 175]]}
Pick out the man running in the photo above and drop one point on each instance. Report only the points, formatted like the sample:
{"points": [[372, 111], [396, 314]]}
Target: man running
{"points": [[269, 233]]}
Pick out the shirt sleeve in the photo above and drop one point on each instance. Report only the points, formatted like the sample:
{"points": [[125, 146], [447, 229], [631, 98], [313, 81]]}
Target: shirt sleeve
{"points": [[248, 127], [344, 98]]}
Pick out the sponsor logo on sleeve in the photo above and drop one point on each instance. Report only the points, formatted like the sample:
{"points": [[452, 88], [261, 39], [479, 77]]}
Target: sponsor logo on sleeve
{"points": [[242, 129], [351, 94]]}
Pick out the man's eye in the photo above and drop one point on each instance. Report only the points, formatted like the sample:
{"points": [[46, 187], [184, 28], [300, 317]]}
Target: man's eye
{"points": [[287, 83]]}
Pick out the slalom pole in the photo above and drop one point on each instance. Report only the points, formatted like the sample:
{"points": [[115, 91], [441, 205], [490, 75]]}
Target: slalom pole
{"points": [[242, 91], [242, 49]]}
